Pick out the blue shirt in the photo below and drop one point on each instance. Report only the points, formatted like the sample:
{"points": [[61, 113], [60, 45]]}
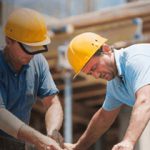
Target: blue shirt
{"points": [[133, 64], [18, 92]]}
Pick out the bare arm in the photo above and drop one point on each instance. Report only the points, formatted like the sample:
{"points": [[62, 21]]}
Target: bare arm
{"points": [[18, 129], [53, 118], [41, 141], [99, 123], [139, 119], [10, 123], [54, 113]]}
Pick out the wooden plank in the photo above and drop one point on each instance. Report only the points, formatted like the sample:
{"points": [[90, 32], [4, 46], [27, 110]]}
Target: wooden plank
{"points": [[98, 92], [123, 12], [122, 44], [81, 84], [94, 103], [79, 111], [80, 120]]}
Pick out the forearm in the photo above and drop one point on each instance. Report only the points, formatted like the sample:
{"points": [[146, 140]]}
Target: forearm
{"points": [[54, 117], [28, 134], [41, 141], [16, 128], [139, 119], [9, 123], [97, 126]]}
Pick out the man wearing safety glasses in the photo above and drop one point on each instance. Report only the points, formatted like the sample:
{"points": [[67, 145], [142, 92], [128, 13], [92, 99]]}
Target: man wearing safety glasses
{"points": [[25, 76]]}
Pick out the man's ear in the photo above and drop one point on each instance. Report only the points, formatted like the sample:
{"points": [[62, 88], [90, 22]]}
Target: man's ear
{"points": [[106, 48]]}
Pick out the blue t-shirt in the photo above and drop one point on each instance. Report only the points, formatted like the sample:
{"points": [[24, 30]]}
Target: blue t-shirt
{"points": [[133, 64], [19, 91]]}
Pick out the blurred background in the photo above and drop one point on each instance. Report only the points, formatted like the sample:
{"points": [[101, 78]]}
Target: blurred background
{"points": [[123, 22]]}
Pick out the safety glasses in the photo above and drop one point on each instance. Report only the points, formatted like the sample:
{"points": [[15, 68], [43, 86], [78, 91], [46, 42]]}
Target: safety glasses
{"points": [[32, 50]]}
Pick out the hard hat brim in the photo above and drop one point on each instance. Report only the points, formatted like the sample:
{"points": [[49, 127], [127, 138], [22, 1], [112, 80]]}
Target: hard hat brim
{"points": [[76, 75], [44, 42]]}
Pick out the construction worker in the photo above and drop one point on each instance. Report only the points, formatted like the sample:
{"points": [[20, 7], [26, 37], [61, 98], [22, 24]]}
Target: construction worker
{"points": [[24, 76], [128, 74]]}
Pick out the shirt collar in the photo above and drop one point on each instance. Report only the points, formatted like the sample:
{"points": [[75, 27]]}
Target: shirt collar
{"points": [[118, 59]]}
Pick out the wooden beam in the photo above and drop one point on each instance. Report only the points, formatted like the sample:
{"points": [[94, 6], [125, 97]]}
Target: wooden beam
{"points": [[126, 11], [87, 94], [83, 110], [94, 103], [80, 120], [82, 84]]}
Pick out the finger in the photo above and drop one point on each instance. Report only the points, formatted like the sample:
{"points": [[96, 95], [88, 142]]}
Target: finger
{"points": [[48, 148], [55, 136], [61, 141], [66, 148], [54, 147], [115, 147]]}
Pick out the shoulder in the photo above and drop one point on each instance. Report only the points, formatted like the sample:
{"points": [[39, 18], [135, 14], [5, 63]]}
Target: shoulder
{"points": [[39, 60], [137, 50], [39, 63], [137, 56]]}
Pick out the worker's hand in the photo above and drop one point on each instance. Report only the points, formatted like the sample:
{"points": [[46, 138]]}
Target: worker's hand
{"points": [[55, 135], [41, 142], [124, 145], [69, 146], [47, 143]]}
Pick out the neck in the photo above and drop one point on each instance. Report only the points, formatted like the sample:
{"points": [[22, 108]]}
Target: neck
{"points": [[10, 60], [114, 64]]}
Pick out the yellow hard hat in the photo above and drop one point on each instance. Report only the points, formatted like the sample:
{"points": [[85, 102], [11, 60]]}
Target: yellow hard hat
{"points": [[28, 27], [82, 48]]}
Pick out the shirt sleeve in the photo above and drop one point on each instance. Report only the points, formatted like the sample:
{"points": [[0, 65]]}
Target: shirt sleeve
{"points": [[110, 101], [46, 83]]}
